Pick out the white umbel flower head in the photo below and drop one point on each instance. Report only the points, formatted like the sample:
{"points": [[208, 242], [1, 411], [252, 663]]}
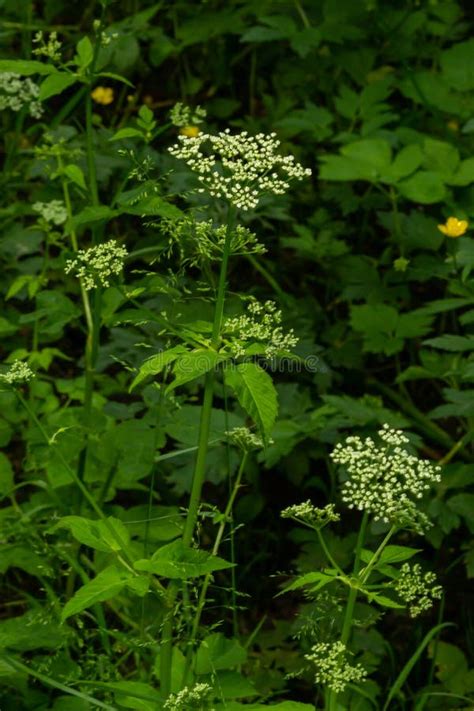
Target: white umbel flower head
{"points": [[261, 323], [384, 479], [332, 668], [53, 212], [96, 265], [311, 515], [239, 168], [197, 698], [417, 590], [243, 438], [17, 92], [18, 372]]}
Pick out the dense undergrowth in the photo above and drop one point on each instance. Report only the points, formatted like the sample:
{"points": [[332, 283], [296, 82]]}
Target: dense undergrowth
{"points": [[236, 402]]}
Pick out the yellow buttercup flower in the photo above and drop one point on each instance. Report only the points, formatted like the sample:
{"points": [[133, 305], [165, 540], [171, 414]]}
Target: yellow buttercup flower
{"points": [[454, 227], [190, 131], [103, 95]]}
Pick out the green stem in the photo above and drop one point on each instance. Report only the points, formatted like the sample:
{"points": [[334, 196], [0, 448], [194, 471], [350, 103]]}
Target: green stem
{"points": [[200, 465], [207, 579], [365, 572], [328, 555], [351, 600]]}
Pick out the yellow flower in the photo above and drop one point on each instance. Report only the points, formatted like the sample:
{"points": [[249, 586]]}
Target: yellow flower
{"points": [[190, 131], [453, 227], [103, 95]]}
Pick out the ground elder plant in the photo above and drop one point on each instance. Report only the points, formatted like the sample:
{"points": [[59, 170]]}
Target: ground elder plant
{"points": [[385, 483]]}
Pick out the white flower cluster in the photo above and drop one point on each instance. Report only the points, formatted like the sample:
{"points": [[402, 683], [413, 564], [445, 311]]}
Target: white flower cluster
{"points": [[384, 479], [311, 515], [239, 168], [261, 323], [95, 266], [245, 439], [417, 590], [182, 115], [50, 47], [332, 668], [18, 372], [53, 212], [198, 698], [17, 92]]}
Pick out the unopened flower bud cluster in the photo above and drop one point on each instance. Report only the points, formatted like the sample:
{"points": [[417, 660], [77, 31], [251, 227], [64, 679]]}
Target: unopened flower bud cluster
{"points": [[239, 168], [18, 372], [384, 479], [202, 240], [417, 590], [49, 47], [182, 115], [95, 266], [17, 92], [261, 323], [197, 698], [245, 439], [53, 212], [311, 515], [332, 668]]}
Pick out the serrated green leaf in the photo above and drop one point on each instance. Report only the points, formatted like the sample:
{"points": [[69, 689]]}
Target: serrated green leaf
{"points": [[176, 561], [92, 214], [106, 585], [256, 393], [110, 535], [157, 363], [194, 364]]}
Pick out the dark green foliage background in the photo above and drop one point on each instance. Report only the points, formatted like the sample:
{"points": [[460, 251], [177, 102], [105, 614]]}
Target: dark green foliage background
{"points": [[377, 97]]}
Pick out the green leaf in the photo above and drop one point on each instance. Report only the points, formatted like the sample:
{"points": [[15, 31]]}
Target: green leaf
{"points": [[256, 393], [456, 344], [85, 53], [193, 364], [217, 652], [126, 133], [75, 174], [424, 187], [368, 159], [91, 214], [156, 206], [55, 84], [106, 585], [6, 476], [156, 364], [391, 554], [385, 601], [26, 67], [464, 175], [457, 64], [316, 579], [110, 535], [176, 561], [117, 77], [406, 162]]}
